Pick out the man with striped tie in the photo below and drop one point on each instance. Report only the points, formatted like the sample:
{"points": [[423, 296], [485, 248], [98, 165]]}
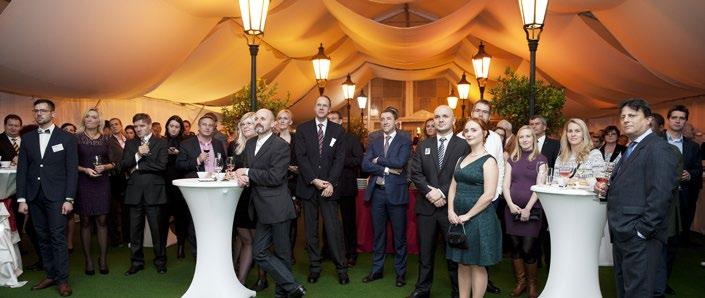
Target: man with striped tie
{"points": [[10, 139]]}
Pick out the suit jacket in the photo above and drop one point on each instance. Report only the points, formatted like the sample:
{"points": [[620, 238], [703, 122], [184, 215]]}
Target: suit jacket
{"points": [[398, 153], [619, 149], [425, 170], [691, 163], [551, 148], [188, 153], [56, 173], [312, 165], [351, 170], [269, 194], [145, 185], [641, 190], [7, 151]]}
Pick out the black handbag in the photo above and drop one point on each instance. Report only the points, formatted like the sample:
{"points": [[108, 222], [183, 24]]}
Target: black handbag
{"points": [[457, 239], [534, 214]]}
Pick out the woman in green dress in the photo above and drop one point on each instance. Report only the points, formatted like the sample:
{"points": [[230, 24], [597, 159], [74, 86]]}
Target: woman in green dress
{"points": [[470, 205]]}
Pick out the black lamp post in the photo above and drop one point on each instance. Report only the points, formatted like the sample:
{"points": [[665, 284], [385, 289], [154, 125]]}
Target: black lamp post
{"points": [[533, 13], [361, 103], [254, 15], [321, 65], [348, 93], [481, 64], [463, 93]]}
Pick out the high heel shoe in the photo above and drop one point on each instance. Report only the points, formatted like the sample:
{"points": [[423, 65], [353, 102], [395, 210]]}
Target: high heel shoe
{"points": [[103, 267], [89, 272]]}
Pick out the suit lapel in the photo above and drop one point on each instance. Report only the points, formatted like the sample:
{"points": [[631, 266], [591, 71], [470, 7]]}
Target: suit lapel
{"points": [[265, 146], [53, 139], [624, 165]]}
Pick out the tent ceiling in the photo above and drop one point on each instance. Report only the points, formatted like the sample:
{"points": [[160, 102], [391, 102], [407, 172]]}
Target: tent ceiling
{"points": [[601, 51]]}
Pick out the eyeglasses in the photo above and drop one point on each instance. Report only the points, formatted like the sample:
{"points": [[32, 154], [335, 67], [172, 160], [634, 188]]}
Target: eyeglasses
{"points": [[41, 111], [481, 111]]}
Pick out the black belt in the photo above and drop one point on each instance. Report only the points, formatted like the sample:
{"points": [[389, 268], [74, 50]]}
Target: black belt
{"points": [[379, 186]]}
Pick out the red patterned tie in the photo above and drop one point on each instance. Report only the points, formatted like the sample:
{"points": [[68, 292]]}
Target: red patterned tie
{"points": [[320, 139]]}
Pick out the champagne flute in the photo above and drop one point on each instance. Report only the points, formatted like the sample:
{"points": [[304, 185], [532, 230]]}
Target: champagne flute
{"points": [[97, 160], [230, 163]]}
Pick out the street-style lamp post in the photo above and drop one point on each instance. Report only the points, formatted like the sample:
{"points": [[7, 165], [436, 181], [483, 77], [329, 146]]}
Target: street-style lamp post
{"points": [[361, 103], [321, 66], [254, 15], [348, 93], [481, 64], [452, 99], [533, 14], [463, 93]]}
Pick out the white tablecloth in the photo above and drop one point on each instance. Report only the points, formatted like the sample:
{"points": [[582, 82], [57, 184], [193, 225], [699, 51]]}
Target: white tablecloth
{"points": [[10, 258]]}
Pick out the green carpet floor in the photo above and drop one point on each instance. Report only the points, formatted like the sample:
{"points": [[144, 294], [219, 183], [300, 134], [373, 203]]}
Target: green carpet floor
{"points": [[687, 278]]}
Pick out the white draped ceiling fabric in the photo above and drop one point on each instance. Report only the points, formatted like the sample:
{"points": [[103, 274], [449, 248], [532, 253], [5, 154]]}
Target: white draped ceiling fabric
{"points": [[600, 51]]}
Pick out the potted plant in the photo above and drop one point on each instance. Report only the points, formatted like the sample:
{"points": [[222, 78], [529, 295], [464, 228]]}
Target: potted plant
{"points": [[266, 99]]}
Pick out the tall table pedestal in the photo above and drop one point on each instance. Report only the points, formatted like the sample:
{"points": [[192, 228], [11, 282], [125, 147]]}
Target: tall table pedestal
{"points": [[212, 206], [576, 220]]}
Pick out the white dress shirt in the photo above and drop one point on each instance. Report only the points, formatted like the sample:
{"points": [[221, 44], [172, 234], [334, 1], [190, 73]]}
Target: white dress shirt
{"points": [[262, 139], [121, 140], [44, 139], [137, 154], [17, 139], [325, 125], [540, 142]]}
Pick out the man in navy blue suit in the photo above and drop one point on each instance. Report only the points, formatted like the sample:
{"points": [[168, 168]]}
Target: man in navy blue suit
{"points": [[48, 159], [387, 192]]}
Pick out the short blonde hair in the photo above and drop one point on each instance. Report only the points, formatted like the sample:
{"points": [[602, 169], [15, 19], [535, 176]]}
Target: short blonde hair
{"points": [[241, 140], [101, 124]]}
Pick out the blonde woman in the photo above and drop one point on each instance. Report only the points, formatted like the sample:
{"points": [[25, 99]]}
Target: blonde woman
{"points": [[577, 153], [522, 216], [93, 192]]}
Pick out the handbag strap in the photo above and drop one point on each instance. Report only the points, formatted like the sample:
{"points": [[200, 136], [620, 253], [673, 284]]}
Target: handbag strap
{"points": [[451, 227]]}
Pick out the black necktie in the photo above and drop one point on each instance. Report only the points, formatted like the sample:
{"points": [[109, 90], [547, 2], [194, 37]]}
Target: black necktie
{"points": [[441, 152]]}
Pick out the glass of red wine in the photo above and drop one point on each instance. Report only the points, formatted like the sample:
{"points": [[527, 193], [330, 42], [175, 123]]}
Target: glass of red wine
{"points": [[565, 173]]}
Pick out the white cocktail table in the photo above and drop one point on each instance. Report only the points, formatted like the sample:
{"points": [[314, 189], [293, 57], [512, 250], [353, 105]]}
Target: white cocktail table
{"points": [[212, 206], [576, 220]]}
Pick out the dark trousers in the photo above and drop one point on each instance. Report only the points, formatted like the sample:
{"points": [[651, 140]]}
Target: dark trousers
{"points": [[118, 218], [332, 228], [347, 213], [668, 255], [278, 265], [688, 197], [428, 228], [156, 216], [183, 223], [636, 262], [382, 211], [50, 226]]}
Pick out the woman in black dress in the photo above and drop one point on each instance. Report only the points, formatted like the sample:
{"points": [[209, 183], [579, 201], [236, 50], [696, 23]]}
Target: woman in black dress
{"points": [[178, 210], [93, 192]]}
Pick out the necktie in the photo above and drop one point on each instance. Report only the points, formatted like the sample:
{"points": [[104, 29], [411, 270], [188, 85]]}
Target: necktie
{"points": [[630, 149], [14, 145], [386, 144], [320, 139], [41, 131], [441, 152]]}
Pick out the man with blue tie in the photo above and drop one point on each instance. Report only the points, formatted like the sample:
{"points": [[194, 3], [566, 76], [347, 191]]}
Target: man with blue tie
{"points": [[47, 175], [638, 201], [387, 192]]}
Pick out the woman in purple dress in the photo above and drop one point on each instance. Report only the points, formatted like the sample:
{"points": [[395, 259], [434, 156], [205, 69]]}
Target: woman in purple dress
{"points": [[522, 216], [93, 193]]}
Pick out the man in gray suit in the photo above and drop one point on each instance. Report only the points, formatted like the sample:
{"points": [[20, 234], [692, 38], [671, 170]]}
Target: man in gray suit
{"points": [[638, 199], [266, 161]]}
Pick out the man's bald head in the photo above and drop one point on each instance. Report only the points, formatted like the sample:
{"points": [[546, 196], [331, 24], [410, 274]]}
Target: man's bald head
{"points": [[443, 119], [264, 119]]}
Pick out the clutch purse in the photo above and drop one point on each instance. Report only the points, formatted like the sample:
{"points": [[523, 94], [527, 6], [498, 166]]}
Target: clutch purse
{"points": [[457, 239], [534, 214]]}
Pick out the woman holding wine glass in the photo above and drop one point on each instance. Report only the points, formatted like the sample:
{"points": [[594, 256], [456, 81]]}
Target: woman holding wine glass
{"points": [[93, 192], [523, 216], [577, 159]]}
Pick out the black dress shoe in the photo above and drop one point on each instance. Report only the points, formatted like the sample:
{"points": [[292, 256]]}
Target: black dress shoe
{"points": [[134, 269], [89, 272], [492, 289], [343, 278], [104, 271], [47, 282], [180, 254], [419, 294], [299, 292], [401, 281], [372, 277], [260, 285], [161, 269], [313, 277], [669, 290], [38, 266], [352, 262]]}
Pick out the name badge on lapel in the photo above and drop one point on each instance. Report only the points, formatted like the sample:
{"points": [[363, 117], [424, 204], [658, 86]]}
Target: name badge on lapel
{"points": [[427, 151], [332, 142], [57, 148]]}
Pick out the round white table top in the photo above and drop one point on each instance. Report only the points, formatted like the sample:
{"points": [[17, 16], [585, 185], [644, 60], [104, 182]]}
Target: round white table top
{"points": [[561, 190], [11, 170], [193, 182]]}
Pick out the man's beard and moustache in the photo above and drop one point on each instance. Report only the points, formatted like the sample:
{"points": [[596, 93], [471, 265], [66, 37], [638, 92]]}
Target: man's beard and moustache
{"points": [[259, 129]]}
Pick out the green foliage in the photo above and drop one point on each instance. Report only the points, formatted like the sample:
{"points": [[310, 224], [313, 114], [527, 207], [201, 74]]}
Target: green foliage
{"points": [[358, 129], [511, 100], [241, 103]]}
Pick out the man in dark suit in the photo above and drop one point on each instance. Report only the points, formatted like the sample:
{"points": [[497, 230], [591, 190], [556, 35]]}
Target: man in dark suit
{"points": [[118, 227], [267, 160], [10, 139], [320, 155], [388, 193], [638, 199], [690, 184], [432, 169], [347, 189], [47, 175], [144, 159], [549, 147], [198, 155]]}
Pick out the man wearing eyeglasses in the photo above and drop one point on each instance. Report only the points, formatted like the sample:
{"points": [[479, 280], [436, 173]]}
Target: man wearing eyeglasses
{"points": [[47, 174]]}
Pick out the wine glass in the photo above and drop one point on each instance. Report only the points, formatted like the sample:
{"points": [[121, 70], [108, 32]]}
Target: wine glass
{"points": [[230, 163], [218, 165], [97, 160], [564, 172]]}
